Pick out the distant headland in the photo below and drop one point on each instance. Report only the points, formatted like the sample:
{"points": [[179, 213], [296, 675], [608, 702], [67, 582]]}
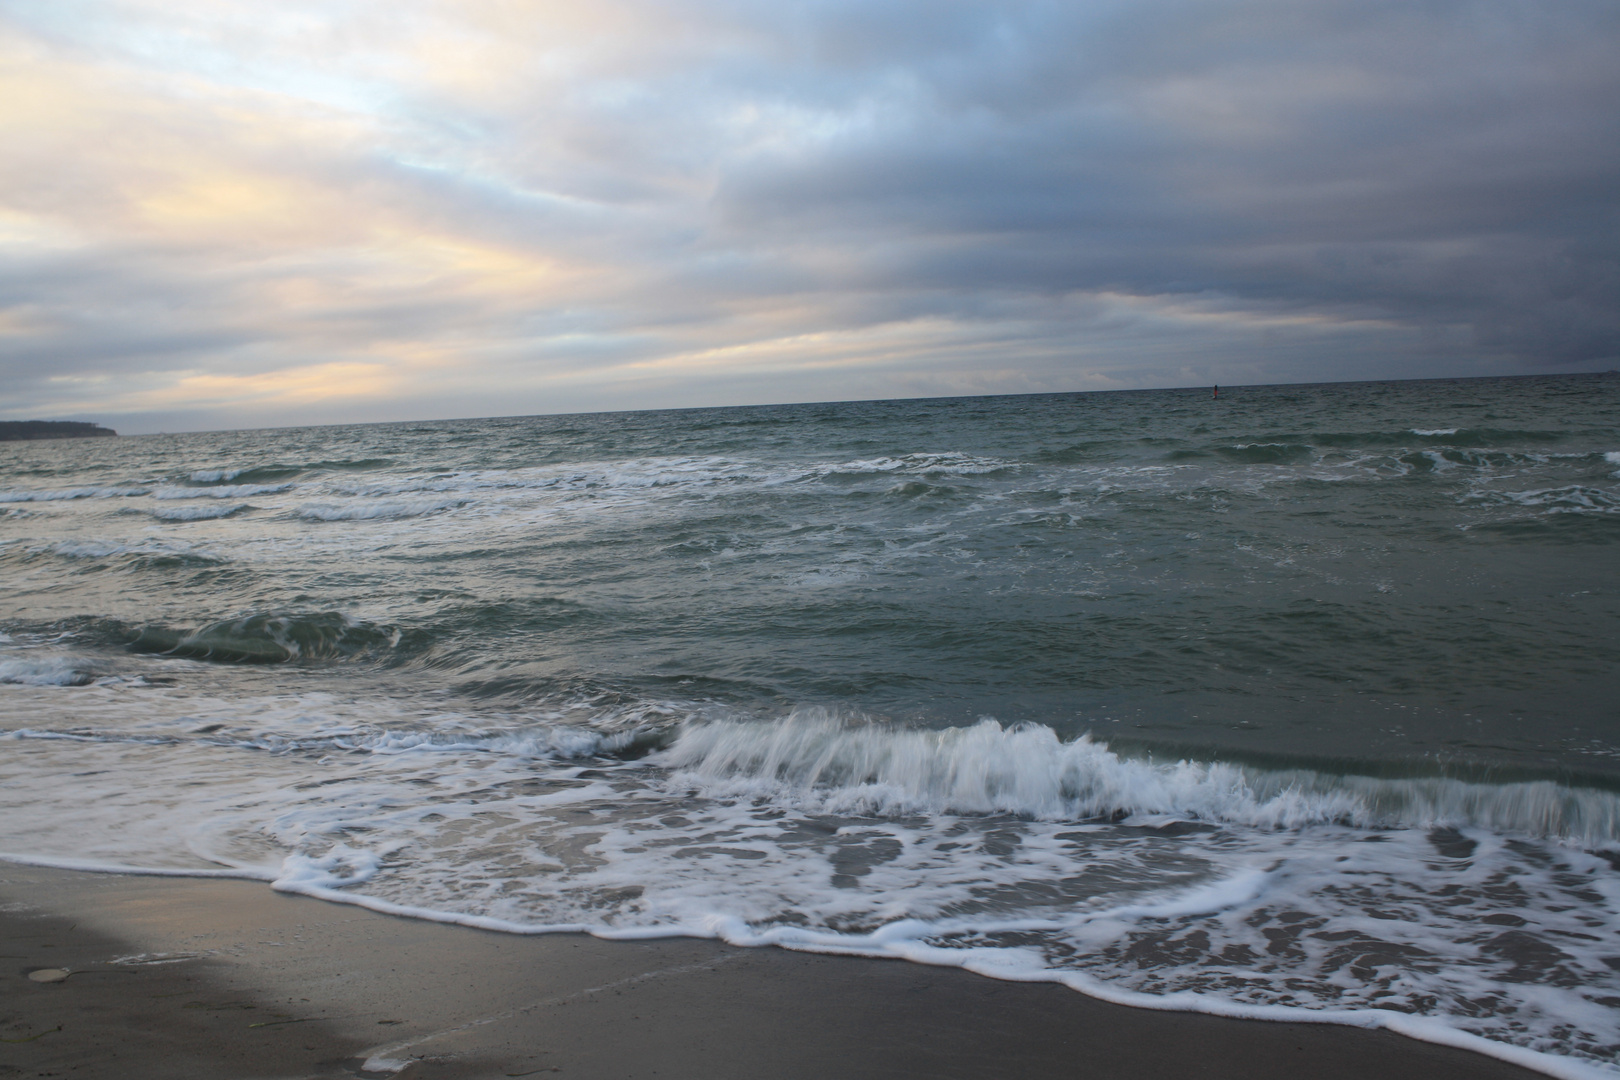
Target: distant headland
{"points": [[11, 430]]}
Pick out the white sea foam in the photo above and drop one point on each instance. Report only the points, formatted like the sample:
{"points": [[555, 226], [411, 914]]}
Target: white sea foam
{"points": [[632, 477], [818, 760], [1222, 889], [678, 474], [948, 463], [63, 494], [47, 670], [549, 743], [1573, 498], [1432, 432], [197, 513], [467, 482], [227, 491], [101, 549], [215, 476]]}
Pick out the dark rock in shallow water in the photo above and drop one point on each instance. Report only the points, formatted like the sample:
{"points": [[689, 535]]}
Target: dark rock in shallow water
{"points": [[51, 429]]}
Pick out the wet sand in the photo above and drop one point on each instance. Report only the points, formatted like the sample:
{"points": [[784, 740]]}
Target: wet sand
{"points": [[180, 977]]}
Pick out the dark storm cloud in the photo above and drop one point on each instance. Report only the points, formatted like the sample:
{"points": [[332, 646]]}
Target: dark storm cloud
{"points": [[486, 207], [1439, 164]]}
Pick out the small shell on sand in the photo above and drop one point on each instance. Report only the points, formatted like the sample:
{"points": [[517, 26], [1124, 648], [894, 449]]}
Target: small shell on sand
{"points": [[48, 975]]}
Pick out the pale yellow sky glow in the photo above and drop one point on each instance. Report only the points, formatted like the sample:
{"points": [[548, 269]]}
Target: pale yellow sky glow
{"points": [[220, 214]]}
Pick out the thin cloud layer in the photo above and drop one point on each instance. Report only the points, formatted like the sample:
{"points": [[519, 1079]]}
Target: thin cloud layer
{"points": [[218, 214]]}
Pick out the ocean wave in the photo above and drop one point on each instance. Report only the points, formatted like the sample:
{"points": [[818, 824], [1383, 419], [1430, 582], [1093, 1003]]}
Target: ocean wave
{"points": [[546, 742], [49, 671], [272, 638], [1027, 770], [226, 491], [842, 837], [634, 474], [1270, 453], [71, 493], [379, 510], [1573, 498], [945, 463], [1440, 460], [1396, 437], [148, 549], [215, 476], [253, 473], [1452, 436], [277, 472], [479, 481], [196, 513]]}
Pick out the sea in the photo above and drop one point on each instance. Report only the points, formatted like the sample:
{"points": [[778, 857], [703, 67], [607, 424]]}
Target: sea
{"points": [[1294, 702]]}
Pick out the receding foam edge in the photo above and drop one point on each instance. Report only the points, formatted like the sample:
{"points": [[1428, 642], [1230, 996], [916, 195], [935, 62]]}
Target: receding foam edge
{"points": [[91, 866], [892, 942]]}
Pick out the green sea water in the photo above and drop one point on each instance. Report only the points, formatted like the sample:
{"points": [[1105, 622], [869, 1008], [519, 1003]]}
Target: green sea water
{"points": [[999, 671]]}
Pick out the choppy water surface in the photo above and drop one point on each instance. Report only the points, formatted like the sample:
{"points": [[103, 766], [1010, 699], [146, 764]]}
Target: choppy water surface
{"points": [[1307, 698]]}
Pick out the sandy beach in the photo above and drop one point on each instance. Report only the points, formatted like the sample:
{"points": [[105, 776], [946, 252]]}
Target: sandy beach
{"points": [[181, 977]]}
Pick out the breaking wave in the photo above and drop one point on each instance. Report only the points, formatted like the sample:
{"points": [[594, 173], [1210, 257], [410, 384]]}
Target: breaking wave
{"points": [[279, 472], [197, 513], [225, 491], [63, 494], [48, 671], [271, 639], [1029, 771]]}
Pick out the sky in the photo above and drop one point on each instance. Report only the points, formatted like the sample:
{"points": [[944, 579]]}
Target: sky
{"points": [[219, 214]]}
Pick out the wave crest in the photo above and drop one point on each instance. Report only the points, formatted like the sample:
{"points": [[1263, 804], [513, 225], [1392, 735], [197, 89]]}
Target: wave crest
{"points": [[1029, 771], [271, 639], [65, 494], [48, 671], [224, 491], [381, 510]]}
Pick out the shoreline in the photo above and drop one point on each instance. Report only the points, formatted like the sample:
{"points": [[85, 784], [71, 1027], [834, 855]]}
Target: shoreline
{"points": [[184, 976]]}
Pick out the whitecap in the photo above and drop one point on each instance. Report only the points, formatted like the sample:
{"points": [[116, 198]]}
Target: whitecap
{"points": [[969, 847], [1575, 498], [197, 513], [101, 549], [48, 671], [816, 758], [70, 493], [951, 463], [229, 491]]}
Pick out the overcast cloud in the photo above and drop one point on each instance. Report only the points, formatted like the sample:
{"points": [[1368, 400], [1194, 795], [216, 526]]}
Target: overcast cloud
{"points": [[215, 213]]}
